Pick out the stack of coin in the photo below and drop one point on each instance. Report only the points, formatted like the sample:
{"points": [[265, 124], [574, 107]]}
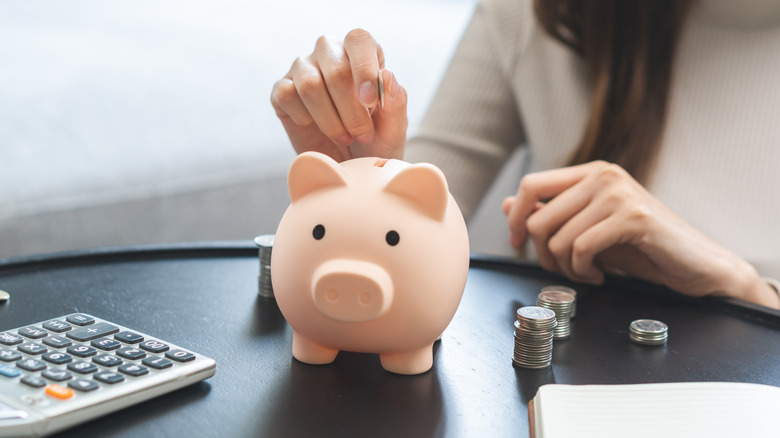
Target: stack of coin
{"points": [[265, 244], [567, 290], [649, 332], [534, 337], [560, 303]]}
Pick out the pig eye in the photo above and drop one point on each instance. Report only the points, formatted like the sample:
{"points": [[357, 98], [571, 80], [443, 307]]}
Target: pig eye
{"points": [[392, 238], [318, 232]]}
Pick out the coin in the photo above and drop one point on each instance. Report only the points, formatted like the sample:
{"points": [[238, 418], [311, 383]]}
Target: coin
{"points": [[648, 332], [265, 244], [535, 317], [649, 326], [535, 312], [561, 303], [381, 90], [533, 337], [556, 297], [567, 290], [4, 296]]}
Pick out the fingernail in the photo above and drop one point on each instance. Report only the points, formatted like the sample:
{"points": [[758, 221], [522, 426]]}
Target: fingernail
{"points": [[363, 139], [367, 93], [345, 140], [393, 85]]}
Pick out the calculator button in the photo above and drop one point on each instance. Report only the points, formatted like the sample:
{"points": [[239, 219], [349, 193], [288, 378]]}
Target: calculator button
{"points": [[7, 355], [10, 339], [33, 332], [106, 344], [153, 346], [57, 375], [57, 341], [133, 370], [57, 358], [59, 392], [82, 367], [92, 332], [109, 377], [128, 337], [107, 360], [80, 319], [57, 326], [180, 355], [32, 348], [31, 365], [158, 363], [35, 382], [8, 371], [82, 351], [131, 353], [83, 385]]}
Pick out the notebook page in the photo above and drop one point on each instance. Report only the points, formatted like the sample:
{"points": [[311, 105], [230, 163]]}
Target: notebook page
{"points": [[691, 409]]}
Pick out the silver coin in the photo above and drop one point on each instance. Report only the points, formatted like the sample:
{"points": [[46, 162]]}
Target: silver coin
{"points": [[535, 312], [649, 341], [648, 332], [648, 326], [648, 337], [561, 303], [532, 356], [556, 297], [567, 290], [533, 343], [265, 240], [381, 90], [556, 287], [531, 366], [533, 338], [265, 244]]}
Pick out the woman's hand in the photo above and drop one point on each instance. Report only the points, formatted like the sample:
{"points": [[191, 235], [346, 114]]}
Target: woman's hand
{"points": [[329, 101], [594, 218]]}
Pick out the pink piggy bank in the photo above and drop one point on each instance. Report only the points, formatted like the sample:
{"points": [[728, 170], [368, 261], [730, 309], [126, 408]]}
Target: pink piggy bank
{"points": [[371, 256]]}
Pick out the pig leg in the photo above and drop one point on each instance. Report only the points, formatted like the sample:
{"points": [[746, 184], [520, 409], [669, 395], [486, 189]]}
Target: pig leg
{"points": [[408, 362], [307, 351]]}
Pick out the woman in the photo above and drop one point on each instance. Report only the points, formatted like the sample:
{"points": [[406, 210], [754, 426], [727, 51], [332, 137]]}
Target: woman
{"points": [[651, 126]]}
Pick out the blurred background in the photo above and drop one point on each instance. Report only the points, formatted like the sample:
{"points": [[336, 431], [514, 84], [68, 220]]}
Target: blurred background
{"points": [[150, 122]]}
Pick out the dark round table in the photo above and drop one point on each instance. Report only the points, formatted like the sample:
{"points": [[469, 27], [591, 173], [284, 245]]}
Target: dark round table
{"points": [[203, 296]]}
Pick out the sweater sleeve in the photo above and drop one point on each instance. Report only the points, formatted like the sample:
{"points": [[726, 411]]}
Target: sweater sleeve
{"points": [[473, 124]]}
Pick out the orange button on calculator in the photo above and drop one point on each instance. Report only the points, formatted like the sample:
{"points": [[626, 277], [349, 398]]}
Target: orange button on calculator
{"points": [[59, 392]]}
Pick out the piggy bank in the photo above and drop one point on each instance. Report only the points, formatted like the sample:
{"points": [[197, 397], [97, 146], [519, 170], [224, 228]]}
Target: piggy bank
{"points": [[371, 256]]}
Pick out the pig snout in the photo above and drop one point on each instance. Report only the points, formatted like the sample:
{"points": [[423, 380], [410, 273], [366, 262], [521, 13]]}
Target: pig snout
{"points": [[352, 290]]}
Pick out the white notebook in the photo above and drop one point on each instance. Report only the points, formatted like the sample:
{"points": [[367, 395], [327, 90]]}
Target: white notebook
{"points": [[690, 409]]}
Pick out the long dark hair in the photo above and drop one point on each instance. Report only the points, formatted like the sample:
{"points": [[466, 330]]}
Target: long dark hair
{"points": [[628, 48]]}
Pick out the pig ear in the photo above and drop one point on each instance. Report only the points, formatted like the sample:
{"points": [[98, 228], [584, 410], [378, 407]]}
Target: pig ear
{"points": [[425, 186], [312, 171]]}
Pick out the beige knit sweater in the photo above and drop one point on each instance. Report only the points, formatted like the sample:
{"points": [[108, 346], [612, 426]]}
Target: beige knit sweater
{"points": [[509, 84]]}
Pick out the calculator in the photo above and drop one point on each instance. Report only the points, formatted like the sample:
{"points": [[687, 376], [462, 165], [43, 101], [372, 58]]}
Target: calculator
{"points": [[67, 370]]}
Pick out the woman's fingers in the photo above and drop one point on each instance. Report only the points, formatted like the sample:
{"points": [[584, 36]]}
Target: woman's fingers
{"points": [[287, 103], [329, 100], [366, 59], [541, 186], [565, 241], [390, 122], [340, 65], [316, 97], [581, 199]]}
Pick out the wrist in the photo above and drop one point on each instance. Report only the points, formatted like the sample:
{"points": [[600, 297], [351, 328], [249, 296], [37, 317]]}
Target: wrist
{"points": [[774, 296], [750, 286]]}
